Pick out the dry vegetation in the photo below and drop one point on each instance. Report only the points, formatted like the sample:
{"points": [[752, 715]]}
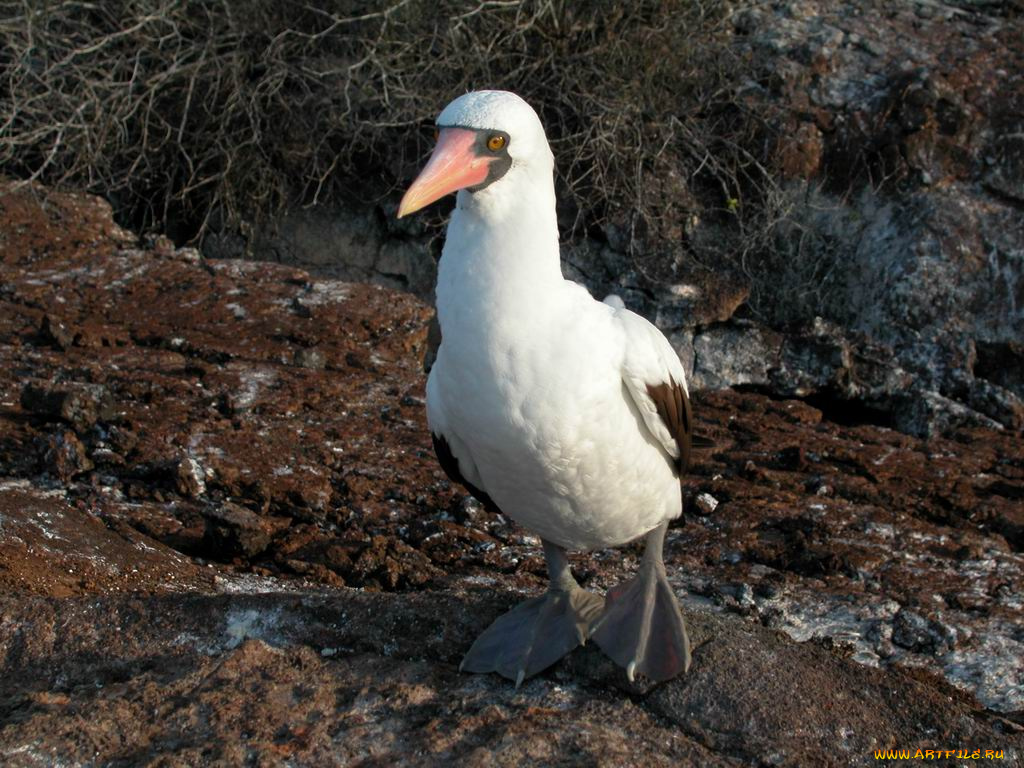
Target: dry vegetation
{"points": [[187, 114]]}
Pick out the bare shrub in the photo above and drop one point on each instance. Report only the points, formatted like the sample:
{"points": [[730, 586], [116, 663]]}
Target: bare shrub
{"points": [[187, 114], [801, 272], [178, 110]]}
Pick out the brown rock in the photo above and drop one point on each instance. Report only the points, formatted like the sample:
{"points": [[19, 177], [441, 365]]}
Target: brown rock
{"points": [[325, 477], [322, 680], [190, 478], [800, 151], [55, 332], [80, 405], [234, 530], [66, 455], [51, 547]]}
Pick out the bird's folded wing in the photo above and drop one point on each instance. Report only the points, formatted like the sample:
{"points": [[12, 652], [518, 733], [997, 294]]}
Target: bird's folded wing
{"points": [[452, 452], [450, 464], [655, 380]]}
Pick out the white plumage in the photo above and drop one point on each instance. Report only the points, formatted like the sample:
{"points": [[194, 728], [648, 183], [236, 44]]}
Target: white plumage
{"points": [[541, 392], [539, 389]]}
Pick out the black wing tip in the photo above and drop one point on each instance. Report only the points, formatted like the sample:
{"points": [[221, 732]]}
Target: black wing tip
{"points": [[450, 465]]}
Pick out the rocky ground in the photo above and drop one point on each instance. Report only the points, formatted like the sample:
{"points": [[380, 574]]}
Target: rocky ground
{"points": [[225, 539]]}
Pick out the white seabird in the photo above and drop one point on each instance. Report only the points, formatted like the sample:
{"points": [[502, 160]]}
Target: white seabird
{"points": [[569, 415]]}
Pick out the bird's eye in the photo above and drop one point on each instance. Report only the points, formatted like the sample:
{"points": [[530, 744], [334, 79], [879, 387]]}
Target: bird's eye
{"points": [[496, 143]]}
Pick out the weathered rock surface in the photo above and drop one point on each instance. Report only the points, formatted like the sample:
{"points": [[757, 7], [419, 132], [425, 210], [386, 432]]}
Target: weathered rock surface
{"points": [[895, 130], [913, 112], [339, 242], [345, 678], [233, 556]]}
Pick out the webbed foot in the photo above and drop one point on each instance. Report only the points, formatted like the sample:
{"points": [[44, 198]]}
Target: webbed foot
{"points": [[641, 627], [535, 634]]}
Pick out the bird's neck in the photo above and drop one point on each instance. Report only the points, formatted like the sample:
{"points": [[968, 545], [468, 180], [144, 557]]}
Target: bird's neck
{"points": [[501, 252]]}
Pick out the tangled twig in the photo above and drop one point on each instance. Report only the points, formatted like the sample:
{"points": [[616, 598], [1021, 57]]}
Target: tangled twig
{"points": [[192, 115]]}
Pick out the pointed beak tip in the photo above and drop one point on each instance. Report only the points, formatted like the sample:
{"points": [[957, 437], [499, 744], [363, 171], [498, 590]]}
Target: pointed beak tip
{"points": [[452, 167], [413, 200]]}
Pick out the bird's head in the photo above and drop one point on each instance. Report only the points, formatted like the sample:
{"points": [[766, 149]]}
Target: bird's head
{"points": [[482, 138]]}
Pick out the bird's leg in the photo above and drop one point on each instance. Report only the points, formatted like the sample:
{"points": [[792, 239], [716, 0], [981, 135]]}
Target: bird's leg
{"points": [[537, 633], [642, 627]]}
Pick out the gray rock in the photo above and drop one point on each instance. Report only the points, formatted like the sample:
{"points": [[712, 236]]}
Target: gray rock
{"points": [[1007, 173], [914, 632], [996, 402], [310, 357], [1001, 363], [704, 301], [705, 504], [876, 374], [729, 355], [682, 343], [409, 264], [929, 413], [336, 241], [811, 362]]}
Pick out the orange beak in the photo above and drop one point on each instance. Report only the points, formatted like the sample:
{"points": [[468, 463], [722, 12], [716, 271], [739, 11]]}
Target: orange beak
{"points": [[453, 166]]}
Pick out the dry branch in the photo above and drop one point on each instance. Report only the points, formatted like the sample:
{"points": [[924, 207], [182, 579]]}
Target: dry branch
{"points": [[191, 114]]}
